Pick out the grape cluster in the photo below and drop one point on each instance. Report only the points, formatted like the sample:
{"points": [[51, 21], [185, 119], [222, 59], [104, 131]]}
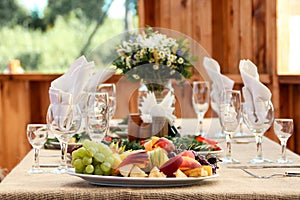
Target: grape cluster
{"points": [[93, 158]]}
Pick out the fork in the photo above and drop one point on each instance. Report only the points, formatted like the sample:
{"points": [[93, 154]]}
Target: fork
{"points": [[290, 174]]}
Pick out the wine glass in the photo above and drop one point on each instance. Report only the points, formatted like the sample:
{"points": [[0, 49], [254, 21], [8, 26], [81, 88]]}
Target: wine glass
{"points": [[283, 129], [229, 115], [37, 135], [258, 117], [110, 89], [97, 116], [63, 120], [200, 98]]}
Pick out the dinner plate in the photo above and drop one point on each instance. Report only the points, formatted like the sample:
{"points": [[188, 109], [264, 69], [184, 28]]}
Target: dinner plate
{"points": [[139, 182]]}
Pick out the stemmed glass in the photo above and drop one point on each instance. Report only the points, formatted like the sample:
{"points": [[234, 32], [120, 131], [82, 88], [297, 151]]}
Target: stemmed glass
{"points": [[283, 129], [258, 117], [110, 89], [200, 98], [229, 115], [97, 116], [63, 120], [37, 135]]}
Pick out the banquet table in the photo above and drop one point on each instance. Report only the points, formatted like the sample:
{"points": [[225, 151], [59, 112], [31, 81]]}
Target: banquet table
{"points": [[232, 183]]}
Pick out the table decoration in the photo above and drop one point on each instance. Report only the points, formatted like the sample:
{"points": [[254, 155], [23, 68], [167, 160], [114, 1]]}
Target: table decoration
{"points": [[154, 59], [258, 111]]}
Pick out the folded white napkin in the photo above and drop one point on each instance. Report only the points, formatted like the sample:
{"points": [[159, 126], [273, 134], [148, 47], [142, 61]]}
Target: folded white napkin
{"points": [[254, 91], [76, 82], [219, 81], [150, 108]]}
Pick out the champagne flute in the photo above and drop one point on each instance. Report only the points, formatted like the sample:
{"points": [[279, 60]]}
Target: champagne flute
{"points": [[283, 129], [97, 116], [63, 120], [37, 135], [258, 117], [200, 98], [229, 115]]}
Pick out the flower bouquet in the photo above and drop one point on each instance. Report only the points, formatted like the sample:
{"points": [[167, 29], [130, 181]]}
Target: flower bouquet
{"points": [[154, 58]]}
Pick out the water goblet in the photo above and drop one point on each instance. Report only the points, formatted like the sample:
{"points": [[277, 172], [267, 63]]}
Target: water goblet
{"points": [[63, 120], [97, 116], [200, 99], [229, 115], [283, 129], [37, 135], [258, 117]]}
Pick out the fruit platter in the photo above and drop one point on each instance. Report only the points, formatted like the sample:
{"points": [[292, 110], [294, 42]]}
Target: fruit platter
{"points": [[157, 162]]}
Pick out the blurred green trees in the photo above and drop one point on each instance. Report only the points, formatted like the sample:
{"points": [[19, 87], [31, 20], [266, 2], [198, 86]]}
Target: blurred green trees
{"points": [[50, 43]]}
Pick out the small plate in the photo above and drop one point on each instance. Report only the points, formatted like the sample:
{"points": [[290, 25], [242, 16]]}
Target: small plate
{"points": [[140, 182]]}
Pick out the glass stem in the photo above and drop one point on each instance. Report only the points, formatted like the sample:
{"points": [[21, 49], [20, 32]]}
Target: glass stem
{"points": [[283, 149], [36, 158], [200, 120], [63, 160], [228, 145], [259, 154]]}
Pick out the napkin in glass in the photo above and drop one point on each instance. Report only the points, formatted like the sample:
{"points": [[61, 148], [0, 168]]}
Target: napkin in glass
{"points": [[219, 81], [254, 91]]}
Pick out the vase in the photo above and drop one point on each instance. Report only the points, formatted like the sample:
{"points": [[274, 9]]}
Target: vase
{"points": [[160, 90]]}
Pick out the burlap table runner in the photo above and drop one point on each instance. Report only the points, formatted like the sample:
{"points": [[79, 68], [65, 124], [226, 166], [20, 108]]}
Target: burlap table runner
{"points": [[231, 183]]}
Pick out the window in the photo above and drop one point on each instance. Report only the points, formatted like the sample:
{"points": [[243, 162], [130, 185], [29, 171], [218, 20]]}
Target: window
{"points": [[47, 35], [288, 21]]}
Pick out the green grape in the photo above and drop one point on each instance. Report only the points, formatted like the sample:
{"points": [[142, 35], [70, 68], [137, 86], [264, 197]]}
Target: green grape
{"points": [[78, 164], [110, 160], [86, 143], [87, 160], [81, 152], [99, 157], [89, 169], [75, 154], [104, 149], [106, 167], [98, 170], [108, 173], [91, 151]]}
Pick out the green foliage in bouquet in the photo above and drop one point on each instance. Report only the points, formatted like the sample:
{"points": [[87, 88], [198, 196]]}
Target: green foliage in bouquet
{"points": [[154, 57]]}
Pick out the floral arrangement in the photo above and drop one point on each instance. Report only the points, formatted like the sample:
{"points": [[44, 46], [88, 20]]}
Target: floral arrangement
{"points": [[153, 57]]}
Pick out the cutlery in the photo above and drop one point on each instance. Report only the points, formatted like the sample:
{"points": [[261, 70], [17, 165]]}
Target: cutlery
{"points": [[263, 166], [287, 174]]}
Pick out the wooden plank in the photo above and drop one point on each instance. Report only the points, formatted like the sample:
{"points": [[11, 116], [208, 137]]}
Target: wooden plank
{"points": [[259, 34], [202, 23], [232, 36], [246, 30], [16, 109]]}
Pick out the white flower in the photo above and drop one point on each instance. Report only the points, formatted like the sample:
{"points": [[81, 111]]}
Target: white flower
{"points": [[169, 63], [172, 72], [128, 61], [161, 55], [180, 60]]}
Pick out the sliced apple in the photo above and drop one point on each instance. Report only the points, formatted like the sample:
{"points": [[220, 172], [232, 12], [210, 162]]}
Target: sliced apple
{"points": [[188, 153], [171, 166]]}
